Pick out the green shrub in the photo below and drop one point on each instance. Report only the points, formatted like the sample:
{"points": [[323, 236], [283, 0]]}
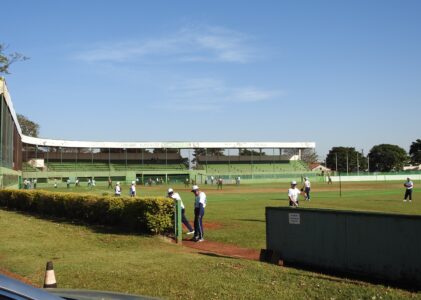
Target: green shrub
{"points": [[147, 215]]}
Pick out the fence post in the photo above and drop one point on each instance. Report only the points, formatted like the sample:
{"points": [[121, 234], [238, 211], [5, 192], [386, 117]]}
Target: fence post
{"points": [[178, 225]]}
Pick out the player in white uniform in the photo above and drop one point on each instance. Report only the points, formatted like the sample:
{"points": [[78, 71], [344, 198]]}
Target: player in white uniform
{"points": [[307, 187], [409, 185], [293, 193], [186, 222], [133, 189], [117, 190], [199, 212]]}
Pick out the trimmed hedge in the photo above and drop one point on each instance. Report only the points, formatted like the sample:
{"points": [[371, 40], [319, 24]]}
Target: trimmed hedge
{"points": [[147, 215]]}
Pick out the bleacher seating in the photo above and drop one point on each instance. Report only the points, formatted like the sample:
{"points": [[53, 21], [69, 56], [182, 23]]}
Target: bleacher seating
{"points": [[79, 166], [146, 167], [28, 168], [100, 166], [287, 167]]}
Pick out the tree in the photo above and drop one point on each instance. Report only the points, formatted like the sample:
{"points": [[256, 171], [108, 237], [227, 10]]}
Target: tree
{"points": [[309, 156], [386, 158], [7, 59], [28, 127], [207, 152], [347, 159], [163, 150], [246, 152], [415, 152]]}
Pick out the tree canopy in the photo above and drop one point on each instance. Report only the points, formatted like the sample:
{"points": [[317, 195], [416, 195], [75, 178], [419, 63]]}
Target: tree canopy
{"points": [[246, 152], [7, 59], [348, 159], [415, 152], [208, 152], [29, 128], [386, 158], [162, 150]]}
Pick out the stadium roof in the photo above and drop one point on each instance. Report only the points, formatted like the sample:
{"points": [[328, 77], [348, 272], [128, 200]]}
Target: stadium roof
{"points": [[168, 145], [5, 92], [144, 145]]}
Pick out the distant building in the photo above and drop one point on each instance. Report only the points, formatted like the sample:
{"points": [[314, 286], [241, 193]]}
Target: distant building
{"points": [[317, 167], [412, 168]]}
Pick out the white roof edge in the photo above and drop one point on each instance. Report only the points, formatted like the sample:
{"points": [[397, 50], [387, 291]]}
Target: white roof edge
{"points": [[9, 103], [169, 145], [143, 145]]}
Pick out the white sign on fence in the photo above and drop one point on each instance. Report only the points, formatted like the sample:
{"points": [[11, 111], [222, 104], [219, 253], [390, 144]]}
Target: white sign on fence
{"points": [[294, 219]]}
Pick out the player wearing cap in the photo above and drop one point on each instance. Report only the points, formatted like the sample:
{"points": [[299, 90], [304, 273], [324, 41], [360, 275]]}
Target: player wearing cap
{"points": [[133, 189], [409, 185], [177, 197], [293, 193], [306, 188], [199, 212]]}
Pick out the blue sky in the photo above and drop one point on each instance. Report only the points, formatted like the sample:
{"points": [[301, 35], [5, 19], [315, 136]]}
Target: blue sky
{"points": [[339, 73]]}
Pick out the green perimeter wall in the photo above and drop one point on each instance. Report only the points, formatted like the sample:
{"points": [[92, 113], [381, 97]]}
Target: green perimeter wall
{"points": [[381, 246], [377, 177], [177, 176]]}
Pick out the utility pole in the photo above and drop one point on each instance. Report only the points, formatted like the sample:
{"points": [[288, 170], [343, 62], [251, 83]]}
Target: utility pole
{"points": [[368, 163], [358, 166], [347, 164], [336, 154]]}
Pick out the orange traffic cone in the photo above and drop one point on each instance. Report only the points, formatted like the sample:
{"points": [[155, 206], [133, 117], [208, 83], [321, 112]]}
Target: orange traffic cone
{"points": [[50, 278]]}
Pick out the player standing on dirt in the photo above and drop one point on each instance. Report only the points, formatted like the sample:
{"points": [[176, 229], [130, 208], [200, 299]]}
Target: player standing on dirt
{"points": [[199, 212]]}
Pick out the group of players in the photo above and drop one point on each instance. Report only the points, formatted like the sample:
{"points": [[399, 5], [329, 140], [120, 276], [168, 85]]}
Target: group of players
{"points": [[200, 202], [294, 192]]}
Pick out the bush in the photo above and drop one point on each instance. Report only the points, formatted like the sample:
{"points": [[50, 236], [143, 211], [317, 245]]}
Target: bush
{"points": [[147, 215]]}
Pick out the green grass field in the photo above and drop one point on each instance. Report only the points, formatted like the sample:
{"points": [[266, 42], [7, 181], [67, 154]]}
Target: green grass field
{"points": [[105, 259]]}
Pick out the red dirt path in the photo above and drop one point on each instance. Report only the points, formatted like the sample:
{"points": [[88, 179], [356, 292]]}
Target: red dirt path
{"points": [[223, 249], [15, 276]]}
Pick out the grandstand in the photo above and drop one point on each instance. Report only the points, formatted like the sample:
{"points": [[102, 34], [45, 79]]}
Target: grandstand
{"points": [[48, 160]]}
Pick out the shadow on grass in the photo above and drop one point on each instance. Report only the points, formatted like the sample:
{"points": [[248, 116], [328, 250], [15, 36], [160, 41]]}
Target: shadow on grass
{"points": [[96, 228], [354, 278], [250, 220], [216, 255]]}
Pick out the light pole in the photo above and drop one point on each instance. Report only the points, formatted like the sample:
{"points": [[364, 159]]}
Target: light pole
{"points": [[336, 154], [358, 166], [347, 164], [368, 163]]}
